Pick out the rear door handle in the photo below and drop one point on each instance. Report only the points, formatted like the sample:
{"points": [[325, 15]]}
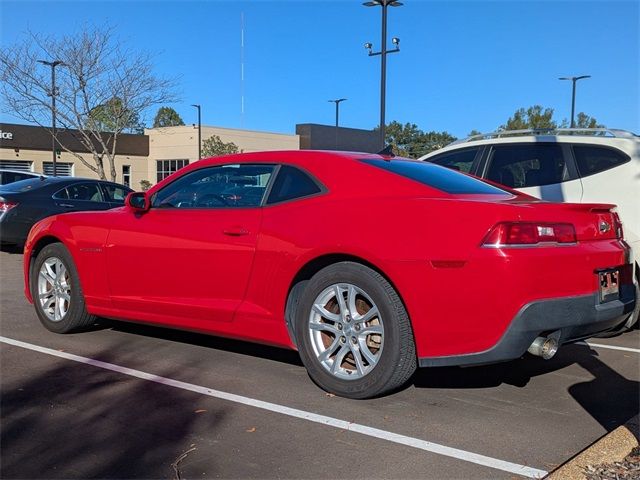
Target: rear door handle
{"points": [[66, 205], [235, 231]]}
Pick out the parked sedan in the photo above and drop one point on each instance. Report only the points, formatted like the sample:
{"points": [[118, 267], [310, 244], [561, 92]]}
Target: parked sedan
{"points": [[24, 202], [368, 265]]}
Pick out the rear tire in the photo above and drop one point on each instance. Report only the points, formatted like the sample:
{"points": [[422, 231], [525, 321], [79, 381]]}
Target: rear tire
{"points": [[56, 291], [353, 332]]}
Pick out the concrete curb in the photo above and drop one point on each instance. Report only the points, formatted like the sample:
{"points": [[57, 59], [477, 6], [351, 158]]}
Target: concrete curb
{"points": [[613, 447]]}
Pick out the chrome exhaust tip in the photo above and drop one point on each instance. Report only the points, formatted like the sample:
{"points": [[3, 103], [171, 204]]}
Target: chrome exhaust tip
{"points": [[545, 347]]}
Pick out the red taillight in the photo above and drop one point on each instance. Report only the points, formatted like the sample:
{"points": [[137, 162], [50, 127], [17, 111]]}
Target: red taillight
{"points": [[6, 206], [617, 224], [521, 233]]}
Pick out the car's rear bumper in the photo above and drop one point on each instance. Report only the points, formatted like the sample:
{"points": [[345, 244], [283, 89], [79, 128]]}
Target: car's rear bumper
{"points": [[575, 318]]}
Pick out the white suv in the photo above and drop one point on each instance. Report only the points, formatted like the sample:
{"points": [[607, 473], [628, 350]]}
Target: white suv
{"points": [[562, 165]]}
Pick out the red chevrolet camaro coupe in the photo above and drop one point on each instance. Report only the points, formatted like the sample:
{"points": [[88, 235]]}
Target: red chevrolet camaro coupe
{"points": [[368, 265]]}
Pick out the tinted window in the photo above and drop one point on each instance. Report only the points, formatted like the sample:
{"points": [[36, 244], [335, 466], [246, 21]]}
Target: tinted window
{"points": [[460, 160], [291, 183], [88, 192], [436, 176], [217, 187], [527, 165], [10, 177], [25, 185], [61, 194], [114, 193], [592, 160]]}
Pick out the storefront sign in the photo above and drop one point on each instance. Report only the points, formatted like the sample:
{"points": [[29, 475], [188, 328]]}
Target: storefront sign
{"points": [[6, 135]]}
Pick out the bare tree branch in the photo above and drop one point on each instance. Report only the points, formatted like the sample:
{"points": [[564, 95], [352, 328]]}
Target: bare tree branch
{"points": [[102, 90]]}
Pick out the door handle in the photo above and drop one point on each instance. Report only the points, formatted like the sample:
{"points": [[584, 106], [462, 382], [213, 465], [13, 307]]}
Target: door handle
{"points": [[66, 205], [235, 231]]}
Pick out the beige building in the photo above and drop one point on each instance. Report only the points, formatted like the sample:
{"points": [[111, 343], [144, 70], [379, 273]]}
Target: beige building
{"points": [[151, 157], [180, 145]]}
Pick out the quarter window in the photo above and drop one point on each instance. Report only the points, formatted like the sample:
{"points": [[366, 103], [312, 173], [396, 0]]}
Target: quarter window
{"points": [[521, 166], [593, 160], [461, 160], [167, 167], [292, 183], [238, 185]]}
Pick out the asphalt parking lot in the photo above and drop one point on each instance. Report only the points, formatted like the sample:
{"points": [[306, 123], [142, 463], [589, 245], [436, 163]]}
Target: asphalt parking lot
{"points": [[131, 401]]}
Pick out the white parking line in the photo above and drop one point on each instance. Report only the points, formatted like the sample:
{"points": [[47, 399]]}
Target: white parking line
{"points": [[611, 347], [293, 412]]}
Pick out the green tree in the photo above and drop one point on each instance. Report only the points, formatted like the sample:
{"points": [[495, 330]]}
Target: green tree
{"points": [[215, 147], [114, 117], [409, 141], [474, 132], [167, 117], [535, 117], [585, 121]]}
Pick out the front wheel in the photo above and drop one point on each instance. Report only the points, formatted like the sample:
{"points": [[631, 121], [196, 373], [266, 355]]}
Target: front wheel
{"points": [[353, 332], [57, 295]]}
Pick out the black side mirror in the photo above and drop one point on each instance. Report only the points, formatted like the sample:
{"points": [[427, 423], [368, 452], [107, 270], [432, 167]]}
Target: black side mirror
{"points": [[138, 201]]}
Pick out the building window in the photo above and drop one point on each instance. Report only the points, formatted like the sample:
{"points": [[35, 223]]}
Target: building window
{"points": [[167, 167], [62, 169], [126, 175], [17, 165]]}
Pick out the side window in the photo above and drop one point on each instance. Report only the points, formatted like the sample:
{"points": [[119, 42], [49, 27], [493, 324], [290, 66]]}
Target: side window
{"points": [[239, 185], [527, 165], [114, 193], [461, 160], [292, 183], [593, 160], [88, 192]]}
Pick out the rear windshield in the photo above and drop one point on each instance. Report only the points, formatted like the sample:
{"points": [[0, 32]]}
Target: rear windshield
{"points": [[24, 185], [441, 178]]}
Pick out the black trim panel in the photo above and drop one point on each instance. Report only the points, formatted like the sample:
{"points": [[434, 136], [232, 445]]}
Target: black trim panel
{"points": [[576, 317]]}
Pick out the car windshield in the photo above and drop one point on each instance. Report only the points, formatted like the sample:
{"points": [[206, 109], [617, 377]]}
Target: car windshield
{"points": [[435, 176], [24, 185]]}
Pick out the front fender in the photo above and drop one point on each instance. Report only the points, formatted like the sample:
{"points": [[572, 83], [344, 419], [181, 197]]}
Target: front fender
{"points": [[85, 242]]}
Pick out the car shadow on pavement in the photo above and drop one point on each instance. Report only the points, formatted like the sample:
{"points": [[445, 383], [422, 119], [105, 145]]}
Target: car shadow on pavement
{"points": [[208, 341], [610, 398], [11, 249], [64, 423]]}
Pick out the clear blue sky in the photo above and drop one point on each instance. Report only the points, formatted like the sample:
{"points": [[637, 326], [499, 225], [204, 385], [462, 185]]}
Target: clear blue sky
{"points": [[463, 64]]}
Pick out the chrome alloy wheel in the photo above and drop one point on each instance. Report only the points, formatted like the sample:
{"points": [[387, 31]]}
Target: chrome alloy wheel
{"points": [[54, 289], [346, 331]]}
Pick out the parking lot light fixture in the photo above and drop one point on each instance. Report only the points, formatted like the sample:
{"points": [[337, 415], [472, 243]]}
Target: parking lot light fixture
{"points": [[337, 102], [53, 93], [573, 94], [383, 55], [199, 130]]}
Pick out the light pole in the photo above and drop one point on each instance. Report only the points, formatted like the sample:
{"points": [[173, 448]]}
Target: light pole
{"points": [[383, 54], [199, 131], [573, 94], [53, 66], [337, 102]]}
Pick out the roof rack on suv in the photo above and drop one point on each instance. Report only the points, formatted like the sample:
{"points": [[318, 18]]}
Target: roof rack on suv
{"points": [[599, 132]]}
